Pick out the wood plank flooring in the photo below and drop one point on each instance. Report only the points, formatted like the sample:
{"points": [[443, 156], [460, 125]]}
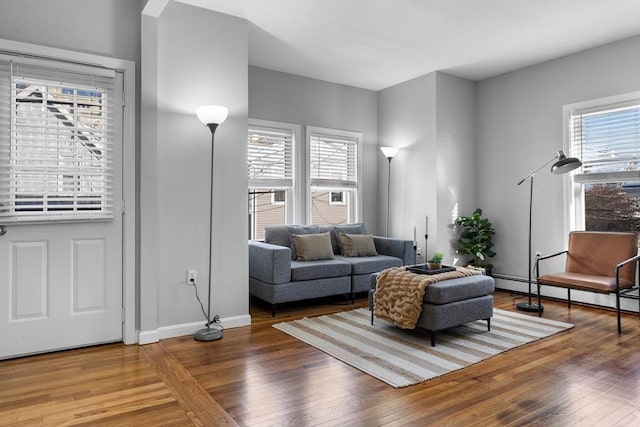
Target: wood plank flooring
{"points": [[259, 376]]}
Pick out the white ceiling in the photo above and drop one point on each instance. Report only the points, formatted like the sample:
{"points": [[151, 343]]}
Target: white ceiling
{"points": [[375, 44]]}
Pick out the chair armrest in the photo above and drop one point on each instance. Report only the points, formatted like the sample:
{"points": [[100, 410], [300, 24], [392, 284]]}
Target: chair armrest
{"points": [[541, 258], [398, 248], [269, 263], [622, 264], [552, 255]]}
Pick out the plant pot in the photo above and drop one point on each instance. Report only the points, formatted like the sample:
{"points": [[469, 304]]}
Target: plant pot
{"points": [[434, 265]]}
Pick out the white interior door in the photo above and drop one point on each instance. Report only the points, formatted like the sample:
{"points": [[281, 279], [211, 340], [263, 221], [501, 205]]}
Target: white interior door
{"points": [[61, 282]]}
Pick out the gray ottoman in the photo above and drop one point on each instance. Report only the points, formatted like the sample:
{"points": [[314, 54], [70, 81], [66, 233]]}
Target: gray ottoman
{"points": [[451, 303]]}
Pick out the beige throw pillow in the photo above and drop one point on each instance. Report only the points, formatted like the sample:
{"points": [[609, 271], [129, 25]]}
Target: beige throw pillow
{"points": [[312, 247], [357, 245]]}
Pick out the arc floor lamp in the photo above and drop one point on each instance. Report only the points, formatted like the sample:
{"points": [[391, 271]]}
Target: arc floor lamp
{"points": [[389, 153], [563, 165], [212, 116]]}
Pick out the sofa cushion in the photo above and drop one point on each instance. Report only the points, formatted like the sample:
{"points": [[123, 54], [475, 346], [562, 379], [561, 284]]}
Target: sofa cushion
{"points": [[459, 289], [309, 270], [370, 264], [312, 247], [354, 245]]}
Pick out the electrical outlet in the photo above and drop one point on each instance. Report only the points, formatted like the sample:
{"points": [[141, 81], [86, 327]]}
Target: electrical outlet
{"points": [[192, 275], [418, 251]]}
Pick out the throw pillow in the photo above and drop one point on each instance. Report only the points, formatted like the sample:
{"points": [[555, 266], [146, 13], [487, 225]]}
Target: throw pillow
{"points": [[299, 229], [312, 247], [357, 245], [356, 228]]}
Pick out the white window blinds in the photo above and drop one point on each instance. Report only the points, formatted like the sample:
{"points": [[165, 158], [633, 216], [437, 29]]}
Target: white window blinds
{"points": [[56, 141], [607, 141], [333, 160], [270, 156]]}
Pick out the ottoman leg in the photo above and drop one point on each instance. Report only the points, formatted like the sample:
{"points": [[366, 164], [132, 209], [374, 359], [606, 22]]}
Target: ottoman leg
{"points": [[433, 338], [489, 324]]}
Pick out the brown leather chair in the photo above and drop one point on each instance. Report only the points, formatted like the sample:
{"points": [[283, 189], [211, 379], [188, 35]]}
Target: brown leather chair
{"points": [[601, 262]]}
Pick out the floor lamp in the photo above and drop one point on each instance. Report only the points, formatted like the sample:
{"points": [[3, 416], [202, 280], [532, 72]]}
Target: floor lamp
{"points": [[389, 153], [212, 116], [563, 164]]}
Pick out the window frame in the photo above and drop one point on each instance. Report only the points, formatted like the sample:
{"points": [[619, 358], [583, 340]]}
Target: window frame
{"points": [[574, 194], [292, 202], [352, 195], [42, 72]]}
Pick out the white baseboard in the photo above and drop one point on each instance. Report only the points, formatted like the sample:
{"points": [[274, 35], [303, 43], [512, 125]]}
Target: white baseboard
{"points": [[164, 332], [148, 337]]}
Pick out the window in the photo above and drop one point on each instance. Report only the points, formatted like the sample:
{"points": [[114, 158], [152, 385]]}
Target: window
{"points": [[278, 197], [336, 198], [271, 174], [606, 190], [333, 168], [56, 142]]}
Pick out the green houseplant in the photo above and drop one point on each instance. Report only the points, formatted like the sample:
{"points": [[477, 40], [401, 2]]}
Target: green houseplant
{"points": [[476, 238], [435, 263]]}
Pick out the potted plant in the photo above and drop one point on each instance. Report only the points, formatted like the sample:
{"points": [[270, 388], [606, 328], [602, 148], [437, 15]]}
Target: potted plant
{"points": [[476, 239], [435, 263]]}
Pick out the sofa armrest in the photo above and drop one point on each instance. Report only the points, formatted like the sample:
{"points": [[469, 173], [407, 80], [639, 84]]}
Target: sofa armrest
{"points": [[398, 248], [269, 263]]}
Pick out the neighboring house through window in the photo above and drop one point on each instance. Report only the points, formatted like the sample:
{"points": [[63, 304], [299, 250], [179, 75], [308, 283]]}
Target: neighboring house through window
{"points": [[605, 136]]}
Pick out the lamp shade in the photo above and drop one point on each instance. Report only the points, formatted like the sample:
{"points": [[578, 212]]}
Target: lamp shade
{"points": [[565, 164], [390, 152], [212, 114]]}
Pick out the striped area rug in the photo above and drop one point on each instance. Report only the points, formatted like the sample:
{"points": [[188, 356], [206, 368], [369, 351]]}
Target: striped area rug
{"points": [[405, 357]]}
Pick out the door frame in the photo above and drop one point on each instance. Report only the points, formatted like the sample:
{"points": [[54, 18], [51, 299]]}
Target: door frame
{"points": [[128, 68]]}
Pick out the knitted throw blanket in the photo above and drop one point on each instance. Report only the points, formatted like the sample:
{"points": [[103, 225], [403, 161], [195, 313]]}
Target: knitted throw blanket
{"points": [[399, 293]]}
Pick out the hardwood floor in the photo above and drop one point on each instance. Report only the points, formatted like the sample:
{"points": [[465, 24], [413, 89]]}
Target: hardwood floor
{"points": [[259, 376]]}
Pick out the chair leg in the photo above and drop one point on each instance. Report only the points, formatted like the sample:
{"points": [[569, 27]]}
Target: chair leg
{"points": [[273, 310], [489, 324], [569, 298], [433, 338], [539, 302], [618, 310]]}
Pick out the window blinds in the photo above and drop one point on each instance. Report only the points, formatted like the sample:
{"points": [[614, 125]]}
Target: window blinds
{"points": [[333, 161], [270, 157], [607, 141], [56, 141]]}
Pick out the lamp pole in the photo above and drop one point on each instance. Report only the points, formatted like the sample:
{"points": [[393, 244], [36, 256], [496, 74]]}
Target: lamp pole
{"points": [[563, 165], [212, 116], [389, 153]]}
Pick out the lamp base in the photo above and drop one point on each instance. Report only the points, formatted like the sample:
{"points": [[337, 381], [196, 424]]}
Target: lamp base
{"points": [[207, 334], [525, 306]]}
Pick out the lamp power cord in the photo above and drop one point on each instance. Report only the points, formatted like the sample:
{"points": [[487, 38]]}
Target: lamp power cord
{"points": [[215, 322]]}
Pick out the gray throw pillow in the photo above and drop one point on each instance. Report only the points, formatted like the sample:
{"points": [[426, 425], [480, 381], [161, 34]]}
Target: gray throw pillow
{"points": [[354, 245], [312, 247]]}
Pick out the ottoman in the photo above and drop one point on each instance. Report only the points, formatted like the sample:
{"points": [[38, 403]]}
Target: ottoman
{"points": [[451, 303]]}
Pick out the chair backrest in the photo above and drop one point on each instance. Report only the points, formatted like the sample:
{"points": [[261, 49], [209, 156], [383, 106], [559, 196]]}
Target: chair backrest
{"points": [[598, 253]]}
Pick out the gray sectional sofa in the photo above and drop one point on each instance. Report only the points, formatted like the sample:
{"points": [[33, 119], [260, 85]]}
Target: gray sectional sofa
{"points": [[278, 275]]}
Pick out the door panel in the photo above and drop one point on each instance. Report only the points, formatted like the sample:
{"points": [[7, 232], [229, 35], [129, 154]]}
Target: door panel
{"points": [[61, 282]]}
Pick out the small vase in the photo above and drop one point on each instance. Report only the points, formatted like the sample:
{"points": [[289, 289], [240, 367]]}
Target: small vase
{"points": [[434, 265]]}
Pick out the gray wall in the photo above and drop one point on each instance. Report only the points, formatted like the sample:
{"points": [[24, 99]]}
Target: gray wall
{"points": [[432, 119], [520, 128], [300, 100], [102, 27], [191, 70]]}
